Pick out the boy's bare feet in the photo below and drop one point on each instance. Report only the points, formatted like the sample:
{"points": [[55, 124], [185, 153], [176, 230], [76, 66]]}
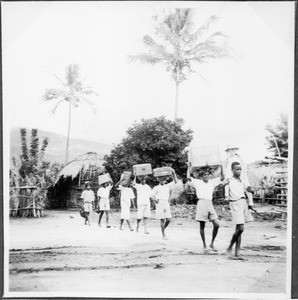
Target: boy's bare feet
{"points": [[206, 251], [164, 237], [229, 252], [213, 248], [99, 225]]}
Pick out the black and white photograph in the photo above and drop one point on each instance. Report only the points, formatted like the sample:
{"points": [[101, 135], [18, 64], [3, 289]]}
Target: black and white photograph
{"points": [[148, 148]]}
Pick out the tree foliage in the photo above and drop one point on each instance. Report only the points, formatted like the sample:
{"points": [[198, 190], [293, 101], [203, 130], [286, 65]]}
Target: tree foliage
{"points": [[31, 161], [278, 138], [74, 92], [157, 141], [178, 45]]}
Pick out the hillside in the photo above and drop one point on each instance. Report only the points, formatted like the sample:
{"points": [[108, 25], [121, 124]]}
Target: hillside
{"points": [[56, 148]]}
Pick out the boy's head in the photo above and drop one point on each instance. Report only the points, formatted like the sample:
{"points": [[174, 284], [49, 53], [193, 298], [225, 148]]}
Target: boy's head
{"points": [[205, 175], [142, 179], [87, 185], [236, 169], [162, 179]]}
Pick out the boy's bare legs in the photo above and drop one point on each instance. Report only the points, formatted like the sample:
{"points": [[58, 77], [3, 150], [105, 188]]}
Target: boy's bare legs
{"points": [[164, 223], [145, 225], [128, 223], [236, 235], [100, 217], [138, 224], [202, 233], [87, 218], [121, 223], [107, 219], [237, 248], [214, 232]]}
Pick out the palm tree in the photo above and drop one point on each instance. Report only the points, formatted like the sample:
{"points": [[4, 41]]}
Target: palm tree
{"points": [[74, 92], [180, 46]]}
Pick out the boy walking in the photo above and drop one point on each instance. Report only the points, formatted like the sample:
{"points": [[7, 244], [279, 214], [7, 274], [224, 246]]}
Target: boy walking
{"points": [[144, 193], [88, 197], [161, 194], [240, 209], [205, 211], [103, 194], [126, 199]]}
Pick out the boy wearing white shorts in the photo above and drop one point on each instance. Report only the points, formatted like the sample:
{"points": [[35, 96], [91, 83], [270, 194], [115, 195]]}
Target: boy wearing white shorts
{"points": [[126, 199], [103, 194], [161, 194], [144, 193], [88, 197], [240, 209], [205, 211]]}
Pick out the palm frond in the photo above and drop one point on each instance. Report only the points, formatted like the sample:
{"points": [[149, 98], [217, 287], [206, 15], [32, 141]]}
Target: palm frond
{"points": [[72, 74], [186, 24], [214, 44], [59, 79], [53, 110], [54, 94], [85, 100], [156, 49], [145, 58], [204, 27]]}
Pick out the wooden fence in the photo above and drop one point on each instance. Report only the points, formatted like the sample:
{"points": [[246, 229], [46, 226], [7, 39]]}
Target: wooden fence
{"points": [[25, 202]]}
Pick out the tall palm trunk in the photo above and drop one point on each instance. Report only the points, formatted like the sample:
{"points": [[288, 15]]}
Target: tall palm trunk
{"points": [[68, 134], [177, 81]]}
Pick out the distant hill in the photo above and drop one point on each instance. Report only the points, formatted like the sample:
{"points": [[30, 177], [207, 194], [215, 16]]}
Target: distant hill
{"points": [[56, 148]]}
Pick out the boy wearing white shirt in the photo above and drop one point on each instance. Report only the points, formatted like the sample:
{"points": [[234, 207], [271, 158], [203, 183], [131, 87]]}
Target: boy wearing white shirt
{"points": [[88, 197], [126, 199], [236, 194], [161, 194], [103, 194], [144, 193], [205, 211]]}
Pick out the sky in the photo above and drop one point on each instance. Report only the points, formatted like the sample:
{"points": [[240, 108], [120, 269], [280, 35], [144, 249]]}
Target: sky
{"points": [[225, 102]]}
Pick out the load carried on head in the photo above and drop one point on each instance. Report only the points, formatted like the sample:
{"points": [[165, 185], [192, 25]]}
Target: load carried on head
{"points": [[202, 158]]}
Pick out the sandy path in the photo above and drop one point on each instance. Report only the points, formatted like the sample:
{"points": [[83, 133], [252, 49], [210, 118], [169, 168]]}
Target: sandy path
{"points": [[62, 255]]}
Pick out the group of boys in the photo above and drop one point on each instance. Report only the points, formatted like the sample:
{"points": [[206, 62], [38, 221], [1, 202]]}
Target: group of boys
{"points": [[237, 192]]}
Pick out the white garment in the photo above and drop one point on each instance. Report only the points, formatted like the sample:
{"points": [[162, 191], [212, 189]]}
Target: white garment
{"points": [[204, 190], [144, 192], [88, 196], [162, 192], [237, 188], [104, 192], [126, 195]]}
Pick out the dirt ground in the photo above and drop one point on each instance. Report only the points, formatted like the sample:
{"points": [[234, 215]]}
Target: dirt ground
{"points": [[59, 254]]}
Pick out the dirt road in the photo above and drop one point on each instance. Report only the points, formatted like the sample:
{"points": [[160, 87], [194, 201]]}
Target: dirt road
{"points": [[58, 254]]}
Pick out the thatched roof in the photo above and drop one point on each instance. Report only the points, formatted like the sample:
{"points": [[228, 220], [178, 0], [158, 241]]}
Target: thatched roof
{"points": [[83, 164]]}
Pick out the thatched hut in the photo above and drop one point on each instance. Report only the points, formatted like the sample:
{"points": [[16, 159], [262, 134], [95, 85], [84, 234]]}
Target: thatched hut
{"points": [[66, 191]]}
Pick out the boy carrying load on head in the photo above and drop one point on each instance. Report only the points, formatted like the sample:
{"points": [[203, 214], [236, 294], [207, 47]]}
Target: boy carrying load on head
{"points": [[103, 194], [144, 192], [161, 195], [205, 211], [236, 194], [126, 199]]}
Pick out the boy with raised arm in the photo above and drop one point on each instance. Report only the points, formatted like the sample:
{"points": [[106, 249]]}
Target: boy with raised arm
{"points": [[144, 192], [236, 193], [205, 211], [161, 195], [103, 194]]}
